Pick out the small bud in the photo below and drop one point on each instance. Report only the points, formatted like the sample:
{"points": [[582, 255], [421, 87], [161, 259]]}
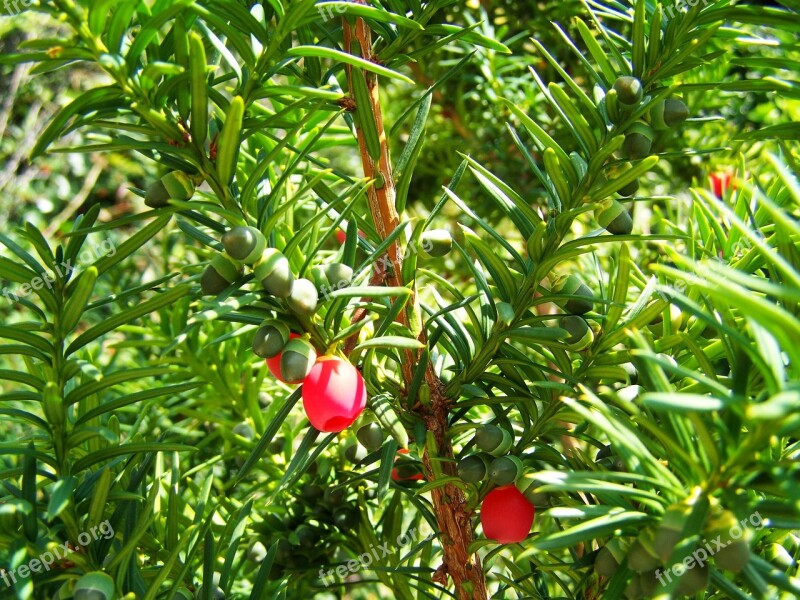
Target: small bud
{"points": [[244, 244], [219, 274], [303, 297], [274, 273], [629, 90], [296, 360]]}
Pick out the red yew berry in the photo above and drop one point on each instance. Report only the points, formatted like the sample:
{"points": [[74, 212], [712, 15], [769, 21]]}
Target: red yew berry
{"points": [[334, 394], [274, 363], [506, 515], [720, 182]]}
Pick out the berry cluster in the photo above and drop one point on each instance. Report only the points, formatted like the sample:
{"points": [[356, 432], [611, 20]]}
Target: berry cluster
{"points": [[621, 102], [507, 511], [334, 393]]}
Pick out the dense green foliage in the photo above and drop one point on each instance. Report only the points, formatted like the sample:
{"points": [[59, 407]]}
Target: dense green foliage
{"points": [[625, 311]]}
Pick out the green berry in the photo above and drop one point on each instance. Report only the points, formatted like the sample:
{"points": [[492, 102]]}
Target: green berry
{"points": [[270, 338], [493, 439], [693, 581], [371, 436], [274, 273], [473, 468], [219, 274], [638, 141], [245, 244], [355, 453], [629, 90], [505, 470], [675, 112], [245, 430], [257, 552], [306, 536], [297, 359], [346, 517], [614, 218], [303, 298], [436, 242], [580, 334], [96, 585], [605, 564], [175, 185], [338, 275], [334, 496], [573, 286], [641, 554], [276, 445], [629, 189]]}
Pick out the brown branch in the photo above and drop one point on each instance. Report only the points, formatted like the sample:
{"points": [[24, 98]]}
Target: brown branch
{"points": [[452, 516]]}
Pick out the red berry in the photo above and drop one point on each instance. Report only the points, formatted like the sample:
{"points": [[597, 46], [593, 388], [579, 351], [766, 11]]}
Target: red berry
{"points": [[274, 363], [341, 236], [506, 515], [334, 394], [720, 182]]}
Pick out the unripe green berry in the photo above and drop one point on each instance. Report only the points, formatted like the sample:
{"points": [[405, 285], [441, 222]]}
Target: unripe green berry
{"points": [[276, 445], [505, 470], [641, 554], [339, 275], [334, 496], [175, 185], [346, 517], [245, 430], [638, 141], [605, 564], [573, 286], [219, 274], [629, 90], [257, 552], [580, 334], [244, 244], [693, 581], [355, 453], [274, 273], [436, 242], [297, 359], [473, 468], [493, 439], [270, 338], [371, 436], [303, 297], [96, 585], [675, 112], [629, 189], [614, 218]]}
